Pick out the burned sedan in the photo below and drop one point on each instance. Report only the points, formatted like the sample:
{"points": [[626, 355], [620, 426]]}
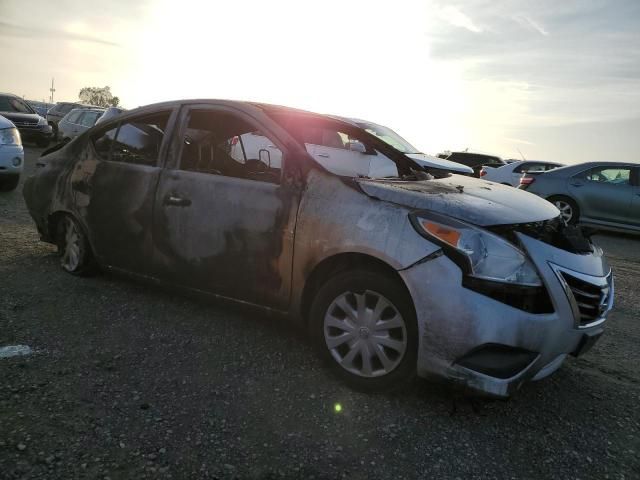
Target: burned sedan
{"points": [[394, 271]]}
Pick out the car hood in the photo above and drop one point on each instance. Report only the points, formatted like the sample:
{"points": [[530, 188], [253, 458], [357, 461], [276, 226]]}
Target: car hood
{"points": [[20, 117], [435, 162], [5, 123], [464, 198]]}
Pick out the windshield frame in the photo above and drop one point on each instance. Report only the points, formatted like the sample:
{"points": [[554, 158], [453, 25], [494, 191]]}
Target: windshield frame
{"points": [[380, 131]]}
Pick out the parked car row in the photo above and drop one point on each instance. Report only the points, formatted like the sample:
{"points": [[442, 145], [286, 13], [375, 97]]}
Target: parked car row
{"points": [[395, 265]]}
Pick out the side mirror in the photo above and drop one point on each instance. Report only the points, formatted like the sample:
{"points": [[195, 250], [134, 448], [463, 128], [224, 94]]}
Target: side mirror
{"points": [[356, 146]]}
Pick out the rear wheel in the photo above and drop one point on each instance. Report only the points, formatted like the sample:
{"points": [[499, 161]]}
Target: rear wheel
{"points": [[569, 210], [73, 247], [364, 326], [9, 183]]}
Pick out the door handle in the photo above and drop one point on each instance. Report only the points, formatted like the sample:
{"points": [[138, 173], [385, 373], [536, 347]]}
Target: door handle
{"points": [[323, 155], [176, 201]]}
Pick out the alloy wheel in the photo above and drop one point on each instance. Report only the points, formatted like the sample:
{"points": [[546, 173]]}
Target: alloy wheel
{"points": [[566, 210], [365, 333], [72, 253]]}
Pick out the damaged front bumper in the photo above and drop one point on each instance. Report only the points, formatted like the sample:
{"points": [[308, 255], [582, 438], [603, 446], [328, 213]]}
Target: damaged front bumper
{"points": [[490, 347]]}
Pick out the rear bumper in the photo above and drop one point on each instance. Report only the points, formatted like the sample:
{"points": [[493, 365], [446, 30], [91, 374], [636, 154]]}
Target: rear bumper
{"points": [[487, 346]]}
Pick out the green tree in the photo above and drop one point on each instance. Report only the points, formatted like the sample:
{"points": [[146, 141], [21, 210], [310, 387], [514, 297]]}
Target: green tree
{"points": [[99, 96]]}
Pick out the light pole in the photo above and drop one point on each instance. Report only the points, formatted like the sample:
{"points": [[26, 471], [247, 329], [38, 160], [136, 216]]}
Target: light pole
{"points": [[52, 89]]}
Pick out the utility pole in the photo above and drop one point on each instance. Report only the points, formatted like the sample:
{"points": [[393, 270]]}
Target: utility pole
{"points": [[52, 89]]}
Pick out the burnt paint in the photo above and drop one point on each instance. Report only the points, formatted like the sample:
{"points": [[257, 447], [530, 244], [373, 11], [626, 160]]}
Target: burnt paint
{"points": [[465, 198]]}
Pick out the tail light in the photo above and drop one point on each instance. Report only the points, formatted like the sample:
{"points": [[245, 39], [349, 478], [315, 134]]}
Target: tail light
{"points": [[483, 172], [526, 181]]}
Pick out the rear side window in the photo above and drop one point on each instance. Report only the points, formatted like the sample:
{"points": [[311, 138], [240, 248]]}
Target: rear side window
{"points": [[530, 167], [65, 108], [219, 143], [74, 116], [139, 140], [88, 119], [103, 141]]}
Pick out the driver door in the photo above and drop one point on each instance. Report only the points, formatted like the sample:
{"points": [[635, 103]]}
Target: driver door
{"points": [[225, 213]]}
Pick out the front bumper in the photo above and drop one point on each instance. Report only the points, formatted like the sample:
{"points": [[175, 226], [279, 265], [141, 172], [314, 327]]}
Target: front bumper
{"points": [[490, 347], [36, 132], [9, 155]]}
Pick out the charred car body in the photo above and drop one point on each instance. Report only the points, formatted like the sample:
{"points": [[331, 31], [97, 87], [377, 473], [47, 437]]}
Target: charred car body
{"points": [[395, 271]]}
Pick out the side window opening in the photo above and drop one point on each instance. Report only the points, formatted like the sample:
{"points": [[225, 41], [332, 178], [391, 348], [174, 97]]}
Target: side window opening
{"points": [[220, 143], [615, 176], [138, 140]]}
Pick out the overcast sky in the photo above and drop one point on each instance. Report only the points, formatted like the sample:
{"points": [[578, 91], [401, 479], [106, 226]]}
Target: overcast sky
{"points": [[557, 80]]}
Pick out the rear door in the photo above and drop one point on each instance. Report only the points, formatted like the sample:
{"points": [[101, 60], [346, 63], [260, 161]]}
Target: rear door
{"points": [[603, 193], [224, 211], [114, 187]]}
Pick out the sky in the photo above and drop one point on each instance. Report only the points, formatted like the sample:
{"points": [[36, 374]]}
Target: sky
{"points": [[554, 80]]}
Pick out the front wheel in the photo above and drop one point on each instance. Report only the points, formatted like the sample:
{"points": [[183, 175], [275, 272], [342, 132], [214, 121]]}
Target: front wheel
{"points": [[364, 326], [73, 247], [10, 183]]}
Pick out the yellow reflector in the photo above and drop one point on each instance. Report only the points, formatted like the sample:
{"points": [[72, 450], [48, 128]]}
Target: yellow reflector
{"points": [[443, 233]]}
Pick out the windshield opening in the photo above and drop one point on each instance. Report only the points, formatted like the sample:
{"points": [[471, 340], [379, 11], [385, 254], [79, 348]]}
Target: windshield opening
{"points": [[11, 104], [388, 136]]}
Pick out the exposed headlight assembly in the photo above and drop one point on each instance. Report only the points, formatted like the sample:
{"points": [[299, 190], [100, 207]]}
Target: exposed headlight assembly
{"points": [[10, 136], [480, 253]]}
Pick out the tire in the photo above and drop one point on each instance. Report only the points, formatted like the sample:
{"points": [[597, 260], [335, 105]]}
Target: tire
{"points": [[346, 338], [569, 209], [74, 250], [9, 183]]}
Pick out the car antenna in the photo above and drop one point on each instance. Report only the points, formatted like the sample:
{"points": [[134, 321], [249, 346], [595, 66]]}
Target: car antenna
{"points": [[521, 154]]}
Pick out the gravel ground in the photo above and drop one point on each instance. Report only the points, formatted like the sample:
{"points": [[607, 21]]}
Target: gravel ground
{"points": [[132, 381]]}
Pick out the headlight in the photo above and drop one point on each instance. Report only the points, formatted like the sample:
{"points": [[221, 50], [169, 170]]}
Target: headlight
{"points": [[42, 121], [10, 136], [481, 253]]}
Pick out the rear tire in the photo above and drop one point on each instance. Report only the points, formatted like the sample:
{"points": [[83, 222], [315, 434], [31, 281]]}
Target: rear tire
{"points": [[74, 250], [9, 184], [569, 210], [364, 326]]}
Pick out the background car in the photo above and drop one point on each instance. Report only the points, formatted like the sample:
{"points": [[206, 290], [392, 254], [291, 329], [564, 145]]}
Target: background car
{"points": [[78, 121], [11, 155], [511, 173], [472, 159], [41, 108], [31, 125], [59, 110], [601, 194]]}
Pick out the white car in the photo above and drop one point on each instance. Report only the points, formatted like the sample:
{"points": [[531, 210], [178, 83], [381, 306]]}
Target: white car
{"points": [[11, 155], [511, 173]]}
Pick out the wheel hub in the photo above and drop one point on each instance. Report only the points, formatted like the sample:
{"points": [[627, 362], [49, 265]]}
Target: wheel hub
{"points": [[365, 333]]}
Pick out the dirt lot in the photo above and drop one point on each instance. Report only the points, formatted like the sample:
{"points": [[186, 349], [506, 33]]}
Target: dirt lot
{"points": [[130, 381]]}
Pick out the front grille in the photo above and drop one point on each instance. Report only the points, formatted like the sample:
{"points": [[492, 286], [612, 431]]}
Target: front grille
{"points": [[25, 123], [590, 300]]}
